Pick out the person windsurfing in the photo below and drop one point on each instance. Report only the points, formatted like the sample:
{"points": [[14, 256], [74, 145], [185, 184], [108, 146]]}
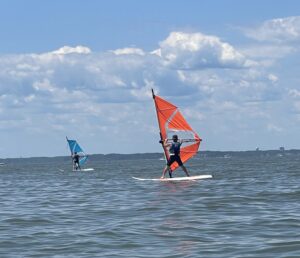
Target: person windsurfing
{"points": [[76, 165], [174, 150]]}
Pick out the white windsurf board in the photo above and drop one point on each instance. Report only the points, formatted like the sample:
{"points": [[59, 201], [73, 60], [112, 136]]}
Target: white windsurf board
{"points": [[84, 169], [187, 178]]}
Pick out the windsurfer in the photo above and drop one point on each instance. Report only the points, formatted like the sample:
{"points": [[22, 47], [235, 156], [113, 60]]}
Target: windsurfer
{"points": [[76, 164], [174, 150]]}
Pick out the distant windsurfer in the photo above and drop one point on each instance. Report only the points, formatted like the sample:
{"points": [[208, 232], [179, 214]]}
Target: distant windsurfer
{"points": [[174, 150], [76, 165]]}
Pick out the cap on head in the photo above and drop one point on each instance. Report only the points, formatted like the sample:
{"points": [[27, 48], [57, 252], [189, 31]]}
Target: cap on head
{"points": [[175, 137]]}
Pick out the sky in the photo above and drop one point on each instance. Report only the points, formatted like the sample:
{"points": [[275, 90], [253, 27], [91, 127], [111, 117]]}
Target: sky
{"points": [[85, 69]]}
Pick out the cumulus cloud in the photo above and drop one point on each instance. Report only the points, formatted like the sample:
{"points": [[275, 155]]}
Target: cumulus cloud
{"points": [[71, 50], [279, 30], [129, 51], [76, 91], [189, 51]]}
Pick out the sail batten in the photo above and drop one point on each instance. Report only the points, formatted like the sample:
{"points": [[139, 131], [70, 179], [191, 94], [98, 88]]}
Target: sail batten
{"points": [[171, 121]]}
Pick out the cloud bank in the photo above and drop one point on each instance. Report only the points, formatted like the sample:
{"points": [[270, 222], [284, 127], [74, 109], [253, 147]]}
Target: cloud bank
{"points": [[225, 92]]}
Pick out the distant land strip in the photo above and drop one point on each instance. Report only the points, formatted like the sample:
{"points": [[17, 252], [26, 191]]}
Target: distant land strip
{"points": [[137, 156]]}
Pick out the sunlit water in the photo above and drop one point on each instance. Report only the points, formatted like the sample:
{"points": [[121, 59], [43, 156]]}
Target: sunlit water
{"points": [[249, 209]]}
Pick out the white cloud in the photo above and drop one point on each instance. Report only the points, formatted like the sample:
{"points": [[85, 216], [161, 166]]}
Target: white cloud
{"points": [[198, 51], [272, 77], [144, 92], [278, 30], [129, 51], [29, 98], [71, 50], [62, 54], [44, 85], [74, 90], [294, 93], [270, 51]]}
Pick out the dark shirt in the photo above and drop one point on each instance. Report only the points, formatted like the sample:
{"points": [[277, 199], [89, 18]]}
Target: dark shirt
{"points": [[76, 158], [175, 148]]}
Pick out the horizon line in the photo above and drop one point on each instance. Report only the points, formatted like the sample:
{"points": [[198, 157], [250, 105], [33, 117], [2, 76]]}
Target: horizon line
{"points": [[145, 153]]}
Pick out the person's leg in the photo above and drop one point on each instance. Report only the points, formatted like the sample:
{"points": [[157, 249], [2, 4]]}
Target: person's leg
{"points": [[182, 166], [185, 170], [170, 173], [164, 171], [167, 168]]}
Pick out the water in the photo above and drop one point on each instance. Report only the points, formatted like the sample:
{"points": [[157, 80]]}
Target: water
{"points": [[250, 209]]}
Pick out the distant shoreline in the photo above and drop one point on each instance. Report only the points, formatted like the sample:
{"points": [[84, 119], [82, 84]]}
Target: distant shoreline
{"points": [[158, 155]]}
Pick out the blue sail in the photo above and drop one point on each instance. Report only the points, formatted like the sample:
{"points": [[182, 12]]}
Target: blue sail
{"points": [[75, 147]]}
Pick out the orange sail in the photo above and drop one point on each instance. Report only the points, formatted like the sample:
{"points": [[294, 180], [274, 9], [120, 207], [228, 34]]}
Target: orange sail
{"points": [[171, 122]]}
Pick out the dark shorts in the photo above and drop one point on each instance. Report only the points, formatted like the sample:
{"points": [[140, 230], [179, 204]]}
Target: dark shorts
{"points": [[174, 158]]}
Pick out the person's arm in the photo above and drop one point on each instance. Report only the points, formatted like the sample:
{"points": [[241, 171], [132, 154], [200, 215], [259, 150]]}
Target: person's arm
{"points": [[166, 144]]}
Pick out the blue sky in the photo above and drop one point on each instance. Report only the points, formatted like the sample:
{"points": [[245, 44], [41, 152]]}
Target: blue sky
{"points": [[84, 69]]}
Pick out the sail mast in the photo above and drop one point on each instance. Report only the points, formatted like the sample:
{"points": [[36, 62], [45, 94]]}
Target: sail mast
{"points": [[160, 134]]}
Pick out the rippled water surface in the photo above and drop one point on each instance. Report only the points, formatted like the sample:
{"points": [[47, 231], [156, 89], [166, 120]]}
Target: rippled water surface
{"points": [[249, 209]]}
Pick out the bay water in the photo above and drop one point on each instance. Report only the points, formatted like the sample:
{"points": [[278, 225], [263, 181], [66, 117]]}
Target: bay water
{"points": [[250, 208]]}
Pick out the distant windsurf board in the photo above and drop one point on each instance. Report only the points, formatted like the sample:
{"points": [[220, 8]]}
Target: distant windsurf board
{"points": [[84, 169], [187, 178]]}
